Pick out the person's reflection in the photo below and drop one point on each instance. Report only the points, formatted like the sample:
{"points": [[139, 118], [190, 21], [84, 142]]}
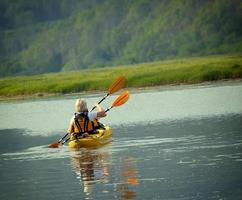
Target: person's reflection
{"points": [[129, 179], [90, 167]]}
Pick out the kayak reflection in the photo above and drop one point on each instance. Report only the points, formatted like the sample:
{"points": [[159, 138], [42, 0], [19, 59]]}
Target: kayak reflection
{"points": [[92, 168]]}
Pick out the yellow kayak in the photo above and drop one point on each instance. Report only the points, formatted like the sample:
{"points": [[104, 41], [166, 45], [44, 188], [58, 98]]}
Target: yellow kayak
{"points": [[103, 136]]}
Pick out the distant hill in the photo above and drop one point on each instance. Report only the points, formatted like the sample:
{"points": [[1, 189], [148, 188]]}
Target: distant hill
{"points": [[61, 35]]}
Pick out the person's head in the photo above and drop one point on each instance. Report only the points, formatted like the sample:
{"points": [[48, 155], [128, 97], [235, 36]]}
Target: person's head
{"points": [[81, 105]]}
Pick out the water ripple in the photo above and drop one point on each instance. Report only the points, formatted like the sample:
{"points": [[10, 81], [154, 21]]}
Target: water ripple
{"points": [[37, 153]]}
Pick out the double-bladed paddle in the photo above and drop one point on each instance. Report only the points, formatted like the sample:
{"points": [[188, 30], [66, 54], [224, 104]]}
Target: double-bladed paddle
{"points": [[116, 86], [122, 99]]}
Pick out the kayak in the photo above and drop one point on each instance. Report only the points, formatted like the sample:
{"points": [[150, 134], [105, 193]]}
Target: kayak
{"points": [[103, 136]]}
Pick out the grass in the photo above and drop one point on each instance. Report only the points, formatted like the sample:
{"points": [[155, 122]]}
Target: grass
{"points": [[177, 71]]}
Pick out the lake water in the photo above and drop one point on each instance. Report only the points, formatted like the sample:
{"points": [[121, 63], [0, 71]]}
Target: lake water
{"points": [[177, 143]]}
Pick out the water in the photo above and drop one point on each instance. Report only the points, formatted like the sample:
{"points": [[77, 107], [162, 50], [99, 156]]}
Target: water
{"points": [[167, 144]]}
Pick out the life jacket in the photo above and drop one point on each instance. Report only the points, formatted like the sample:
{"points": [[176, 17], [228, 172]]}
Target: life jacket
{"points": [[82, 124]]}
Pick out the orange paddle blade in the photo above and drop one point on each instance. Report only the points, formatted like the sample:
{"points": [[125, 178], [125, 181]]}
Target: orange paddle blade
{"points": [[117, 85], [54, 145], [121, 99]]}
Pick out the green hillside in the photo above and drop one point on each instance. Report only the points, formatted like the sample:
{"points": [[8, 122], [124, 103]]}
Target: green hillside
{"points": [[61, 35]]}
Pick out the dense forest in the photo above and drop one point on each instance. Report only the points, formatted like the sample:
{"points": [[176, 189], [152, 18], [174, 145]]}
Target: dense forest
{"points": [[40, 36]]}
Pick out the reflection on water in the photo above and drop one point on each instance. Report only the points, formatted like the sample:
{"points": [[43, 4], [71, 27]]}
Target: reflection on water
{"points": [[129, 178], [90, 167], [187, 159], [37, 153], [93, 167], [195, 155]]}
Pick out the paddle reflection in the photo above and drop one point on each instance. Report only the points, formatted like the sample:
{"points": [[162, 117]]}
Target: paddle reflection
{"points": [[129, 179]]}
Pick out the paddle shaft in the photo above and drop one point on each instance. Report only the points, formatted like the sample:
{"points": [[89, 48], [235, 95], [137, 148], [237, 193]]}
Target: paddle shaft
{"points": [[116, 86], [108, 109], [66, 140], [101, 100], [63, 137]]}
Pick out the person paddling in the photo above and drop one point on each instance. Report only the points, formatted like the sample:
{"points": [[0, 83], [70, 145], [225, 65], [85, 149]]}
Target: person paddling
{"points": [[84, 122]]}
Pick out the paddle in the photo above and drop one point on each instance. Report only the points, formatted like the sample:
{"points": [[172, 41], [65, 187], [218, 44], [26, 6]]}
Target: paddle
{"points": [[56, 144], [122, 99], [117, 85]]}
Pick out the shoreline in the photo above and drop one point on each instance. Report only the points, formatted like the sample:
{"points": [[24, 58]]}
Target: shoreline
{"points": [[162, 74], [176, 86]]}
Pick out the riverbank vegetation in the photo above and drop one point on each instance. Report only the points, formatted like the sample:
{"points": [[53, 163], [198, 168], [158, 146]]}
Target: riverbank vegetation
{"points": [[175, 71]]}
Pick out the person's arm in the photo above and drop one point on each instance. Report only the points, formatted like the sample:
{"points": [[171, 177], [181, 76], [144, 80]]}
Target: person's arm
{"points": [[100, 111]]}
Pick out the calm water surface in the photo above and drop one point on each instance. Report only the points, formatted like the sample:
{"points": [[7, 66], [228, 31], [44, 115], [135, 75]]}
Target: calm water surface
{"points": [[167, 144]]}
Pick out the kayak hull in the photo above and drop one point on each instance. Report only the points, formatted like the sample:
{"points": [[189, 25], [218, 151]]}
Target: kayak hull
{"points": [[93, 140]]}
